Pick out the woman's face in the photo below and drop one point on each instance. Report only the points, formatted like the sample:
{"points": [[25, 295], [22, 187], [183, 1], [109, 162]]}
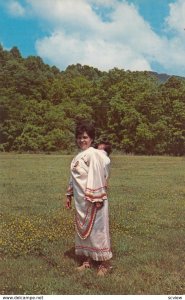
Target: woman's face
{"points": [[84, 141]]}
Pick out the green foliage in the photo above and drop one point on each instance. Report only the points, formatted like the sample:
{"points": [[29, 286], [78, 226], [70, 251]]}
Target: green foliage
{"points": [[138, 112]]}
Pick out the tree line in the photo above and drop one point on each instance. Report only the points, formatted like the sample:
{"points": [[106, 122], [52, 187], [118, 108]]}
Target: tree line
{"points": [[138, 112]]}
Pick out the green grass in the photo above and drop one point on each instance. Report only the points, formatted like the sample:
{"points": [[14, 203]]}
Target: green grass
{"points": [[147, 225]]}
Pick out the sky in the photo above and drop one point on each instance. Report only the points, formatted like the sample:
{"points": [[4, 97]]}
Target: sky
{"points": [[134, 35]]}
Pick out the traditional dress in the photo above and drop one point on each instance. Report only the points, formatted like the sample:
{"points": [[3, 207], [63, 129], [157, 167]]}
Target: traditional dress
{"points": [[89, 171]]}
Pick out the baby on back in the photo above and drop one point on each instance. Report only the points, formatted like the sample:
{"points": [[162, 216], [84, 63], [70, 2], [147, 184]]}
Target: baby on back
{"points": [[105, 146], [105, 150]]}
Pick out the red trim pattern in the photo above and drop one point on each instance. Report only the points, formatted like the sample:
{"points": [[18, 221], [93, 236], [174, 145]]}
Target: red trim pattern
{"points": [[87, 229], [101, 196], [82, 224], [93, 249], [102, 187], [95, 194]]}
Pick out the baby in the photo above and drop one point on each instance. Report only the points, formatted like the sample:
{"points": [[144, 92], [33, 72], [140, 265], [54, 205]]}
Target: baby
{"points": [[106, 146], [105, 150]]}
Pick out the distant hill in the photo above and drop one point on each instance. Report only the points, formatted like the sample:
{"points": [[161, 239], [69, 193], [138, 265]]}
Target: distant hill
{"points": [[161, 77]]}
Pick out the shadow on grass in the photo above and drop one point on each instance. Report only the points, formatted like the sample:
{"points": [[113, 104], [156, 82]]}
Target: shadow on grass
{"points": [[71, 254], [79, 259]]}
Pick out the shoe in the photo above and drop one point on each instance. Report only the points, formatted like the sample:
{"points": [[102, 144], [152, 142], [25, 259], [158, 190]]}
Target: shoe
{"points": [[102, 270], [84, 266]]}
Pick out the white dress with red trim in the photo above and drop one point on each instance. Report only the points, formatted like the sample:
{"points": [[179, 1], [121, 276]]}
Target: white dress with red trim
{"points": [[88, 182]]}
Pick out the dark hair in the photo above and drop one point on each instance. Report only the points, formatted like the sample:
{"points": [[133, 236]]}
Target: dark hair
{"points": [[107, 146], [85, 127]]}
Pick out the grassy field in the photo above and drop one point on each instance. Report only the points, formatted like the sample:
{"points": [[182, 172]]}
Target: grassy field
{"points": [[147, 224]]}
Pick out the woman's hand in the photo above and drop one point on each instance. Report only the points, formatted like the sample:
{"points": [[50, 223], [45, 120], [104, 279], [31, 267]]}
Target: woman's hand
{"points": [[68, 202], [99, 204]]}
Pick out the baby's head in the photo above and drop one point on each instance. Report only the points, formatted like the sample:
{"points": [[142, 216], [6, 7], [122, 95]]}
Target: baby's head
{"points": [[106, 146]]}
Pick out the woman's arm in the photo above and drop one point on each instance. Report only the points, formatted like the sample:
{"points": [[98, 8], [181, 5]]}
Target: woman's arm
{"points": [[69, 194]]}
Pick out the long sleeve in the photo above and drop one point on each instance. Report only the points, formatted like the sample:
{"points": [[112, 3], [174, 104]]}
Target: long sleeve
{"points": [[70, 187], [96, 182]]}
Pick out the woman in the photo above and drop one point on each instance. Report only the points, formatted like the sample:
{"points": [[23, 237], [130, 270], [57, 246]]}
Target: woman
{"points": [[88, 187]]}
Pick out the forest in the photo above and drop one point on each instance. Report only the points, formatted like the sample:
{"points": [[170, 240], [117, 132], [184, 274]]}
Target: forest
{"points": [[138, 112]]}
